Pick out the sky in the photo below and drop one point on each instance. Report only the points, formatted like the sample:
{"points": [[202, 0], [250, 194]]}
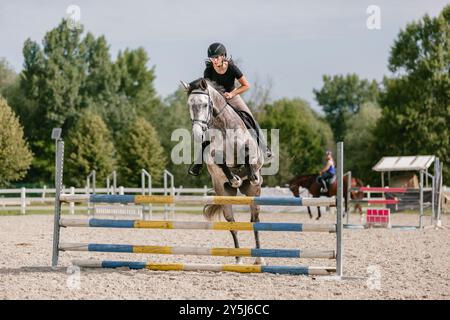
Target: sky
{"points": [[290, 44]]}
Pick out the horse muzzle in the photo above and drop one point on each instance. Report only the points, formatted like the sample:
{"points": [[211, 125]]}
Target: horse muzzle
{"points": [[198, 131]]}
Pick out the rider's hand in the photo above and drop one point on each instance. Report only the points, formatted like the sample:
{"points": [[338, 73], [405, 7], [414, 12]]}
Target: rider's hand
{"points": [[228, 95]]}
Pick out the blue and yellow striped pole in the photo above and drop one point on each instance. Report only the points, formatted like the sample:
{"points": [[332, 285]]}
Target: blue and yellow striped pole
{"points": [[204, 225], [224, 252], [219, 200], [295, 270]]}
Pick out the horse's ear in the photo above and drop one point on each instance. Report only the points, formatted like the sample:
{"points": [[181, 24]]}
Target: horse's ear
{"points": [[185, 85], [203, 84]]}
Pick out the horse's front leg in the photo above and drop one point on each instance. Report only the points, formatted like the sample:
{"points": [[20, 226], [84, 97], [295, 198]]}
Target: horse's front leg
{"points": [[228, 214], [309, 212], [255, 218], [234, 180], [318, 213], [252, 173]]}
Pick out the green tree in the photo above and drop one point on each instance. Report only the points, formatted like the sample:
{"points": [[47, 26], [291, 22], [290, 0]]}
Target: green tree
{"points": [[416, 100], [136, 81], [72, 73], [15, 155], [341, 96], [140, 149], [88, 147], [7, 76], [303, 138], [359, 141]]}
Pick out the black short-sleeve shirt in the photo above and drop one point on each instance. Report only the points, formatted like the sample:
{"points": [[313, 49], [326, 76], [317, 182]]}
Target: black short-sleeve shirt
{"points": [[226, 80]]}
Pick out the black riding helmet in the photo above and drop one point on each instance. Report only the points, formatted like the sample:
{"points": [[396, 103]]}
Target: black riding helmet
{"points": [[216, 49]]}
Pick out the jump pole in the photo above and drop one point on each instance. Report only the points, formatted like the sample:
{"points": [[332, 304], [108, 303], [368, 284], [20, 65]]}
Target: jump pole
{"points": [[250, 200], [339, 195], [59, 156]]}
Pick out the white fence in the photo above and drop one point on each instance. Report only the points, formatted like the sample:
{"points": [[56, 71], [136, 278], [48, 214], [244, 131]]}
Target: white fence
{"points": [[32, 199]]}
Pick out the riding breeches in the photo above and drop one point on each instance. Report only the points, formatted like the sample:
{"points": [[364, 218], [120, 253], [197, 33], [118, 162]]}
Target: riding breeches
{"points": [[324, 177], [238, 103]]}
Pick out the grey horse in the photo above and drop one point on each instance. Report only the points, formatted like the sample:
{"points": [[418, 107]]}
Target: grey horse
{"points": [[234, 162]]}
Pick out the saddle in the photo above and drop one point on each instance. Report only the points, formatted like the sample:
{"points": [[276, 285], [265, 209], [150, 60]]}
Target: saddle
{"points": [[248, 121], [331, 180]]}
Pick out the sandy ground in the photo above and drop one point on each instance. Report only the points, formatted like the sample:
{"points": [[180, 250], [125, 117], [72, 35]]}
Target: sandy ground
{"points": [[381, 263]]}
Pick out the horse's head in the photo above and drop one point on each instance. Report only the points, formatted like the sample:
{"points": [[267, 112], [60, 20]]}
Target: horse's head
{"points": [[294, 189], [200, 107], [304, 181]]}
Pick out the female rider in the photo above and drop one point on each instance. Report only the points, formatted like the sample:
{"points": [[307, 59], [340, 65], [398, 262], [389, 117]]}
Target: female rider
{"points": [[223, 71]]}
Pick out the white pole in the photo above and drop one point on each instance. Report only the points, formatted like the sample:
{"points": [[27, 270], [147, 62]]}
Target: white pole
{"points": [[349, 194], [43, 193], [421, 200], [339, 196], [72, 204], [23, 200]]}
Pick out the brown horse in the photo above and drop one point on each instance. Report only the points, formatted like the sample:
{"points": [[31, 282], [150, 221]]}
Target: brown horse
{"points": [[310, 182]]}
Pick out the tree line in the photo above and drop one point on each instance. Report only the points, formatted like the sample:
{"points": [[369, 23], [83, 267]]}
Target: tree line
{"points": [[113, 119]]}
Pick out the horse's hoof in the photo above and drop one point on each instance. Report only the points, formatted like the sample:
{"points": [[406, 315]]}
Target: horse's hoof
{"points": [[257, 181], [238, 260], [236, 182], [260, 261], [318, 218]]}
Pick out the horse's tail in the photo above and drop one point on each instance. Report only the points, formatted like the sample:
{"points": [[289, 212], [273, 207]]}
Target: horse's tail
{"points": [[212, 210]]}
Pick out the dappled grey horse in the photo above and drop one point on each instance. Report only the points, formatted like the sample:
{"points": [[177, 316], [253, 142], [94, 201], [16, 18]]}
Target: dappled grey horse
{"points": [[233, 161]]}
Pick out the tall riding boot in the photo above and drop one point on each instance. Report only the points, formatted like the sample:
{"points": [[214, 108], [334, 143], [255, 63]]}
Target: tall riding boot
{"points": [[324, 189], [262, 142], [197, 165]]}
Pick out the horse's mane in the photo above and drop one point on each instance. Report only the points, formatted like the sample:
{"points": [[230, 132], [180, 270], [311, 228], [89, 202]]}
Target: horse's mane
{"points": [[196, 84]]}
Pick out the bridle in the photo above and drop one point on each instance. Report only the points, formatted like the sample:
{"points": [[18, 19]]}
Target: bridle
{"points": [[212, 113]]}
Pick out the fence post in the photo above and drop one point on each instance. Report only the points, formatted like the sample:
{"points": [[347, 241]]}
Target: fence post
{"points": [[23, 200], [59, 160], [339, 197], [43, 193], [421, 199], [72, 204]]}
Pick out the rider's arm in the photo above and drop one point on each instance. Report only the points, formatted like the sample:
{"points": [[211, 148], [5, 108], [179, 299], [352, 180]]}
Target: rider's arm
{"points": [[244, 86], [326, 167]]}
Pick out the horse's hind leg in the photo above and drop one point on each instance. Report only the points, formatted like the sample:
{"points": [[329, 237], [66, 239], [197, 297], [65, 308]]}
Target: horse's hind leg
{"points": [[229, 216], [318, 213]]}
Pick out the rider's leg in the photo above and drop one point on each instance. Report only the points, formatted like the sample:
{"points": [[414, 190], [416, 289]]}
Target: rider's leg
{"points": [[325, 176], [323, 183], [238, 103], [197, 165]]}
